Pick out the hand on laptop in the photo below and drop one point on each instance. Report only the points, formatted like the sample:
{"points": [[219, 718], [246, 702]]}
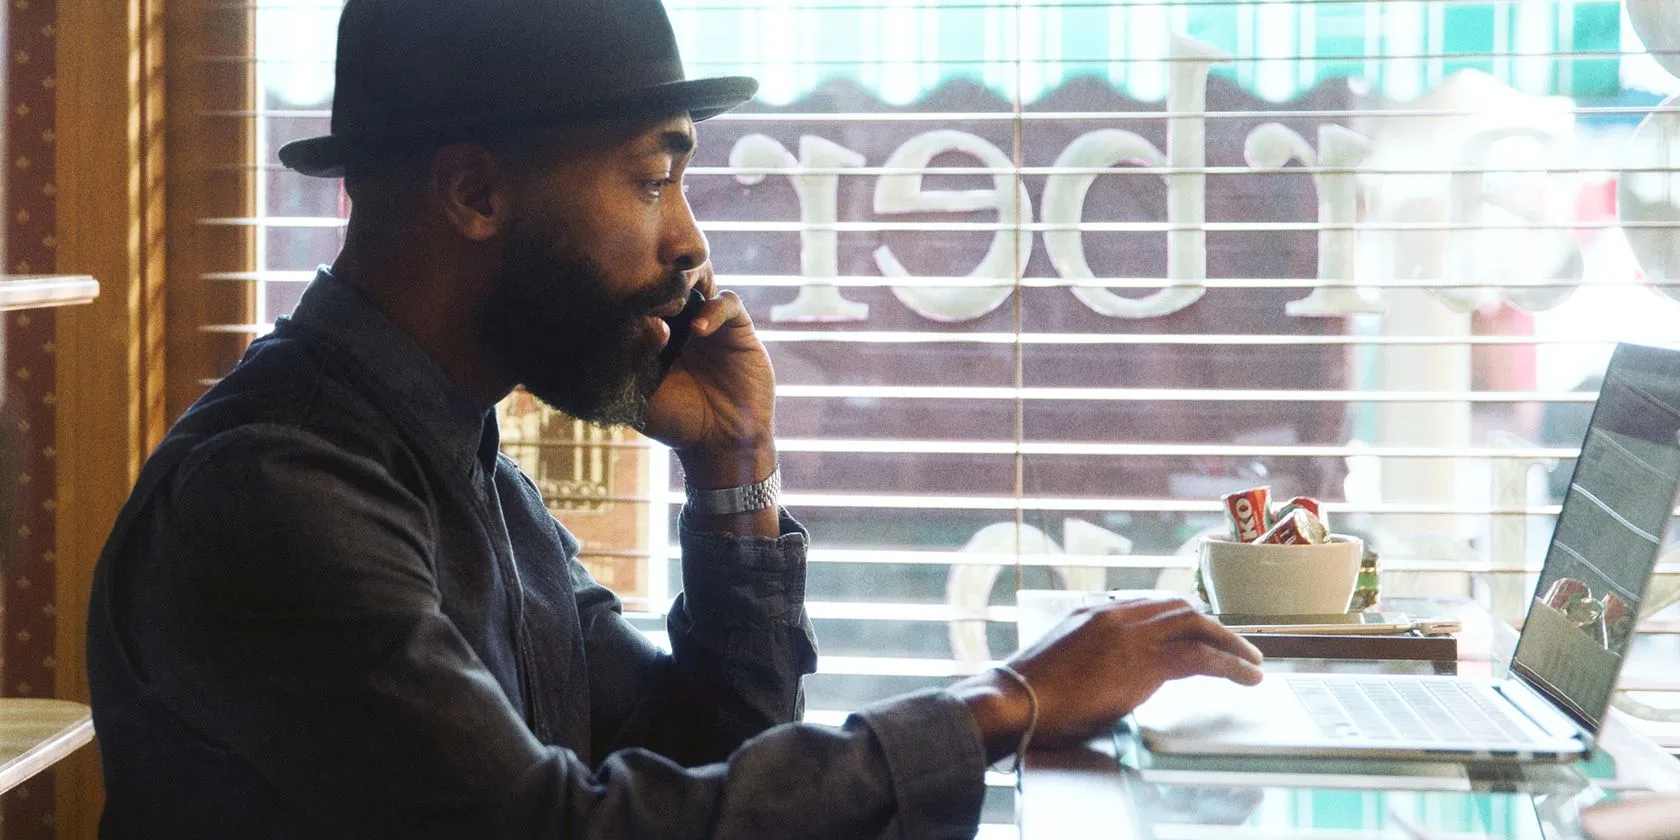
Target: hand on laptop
{"points": [[1100, 663]]}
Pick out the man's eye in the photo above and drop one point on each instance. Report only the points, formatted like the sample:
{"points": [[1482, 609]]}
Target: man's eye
{"points": [[657, 187]]}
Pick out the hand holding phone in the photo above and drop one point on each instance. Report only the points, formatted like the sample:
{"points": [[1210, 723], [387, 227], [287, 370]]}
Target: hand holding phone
{"points": [[680, 324]]}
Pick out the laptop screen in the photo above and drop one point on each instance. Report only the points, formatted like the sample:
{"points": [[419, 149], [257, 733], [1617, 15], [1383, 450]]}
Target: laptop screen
{"points": [[1609, 535]]}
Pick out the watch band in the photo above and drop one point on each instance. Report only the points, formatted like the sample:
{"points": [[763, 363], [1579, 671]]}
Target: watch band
{"points": [[747, 497]]}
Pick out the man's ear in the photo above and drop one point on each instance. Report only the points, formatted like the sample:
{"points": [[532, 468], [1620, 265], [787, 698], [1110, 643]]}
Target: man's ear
{"points": [[471, 187]]}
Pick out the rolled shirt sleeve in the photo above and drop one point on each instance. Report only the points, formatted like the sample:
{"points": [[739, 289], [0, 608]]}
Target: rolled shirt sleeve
{"points": [[755, 582]]}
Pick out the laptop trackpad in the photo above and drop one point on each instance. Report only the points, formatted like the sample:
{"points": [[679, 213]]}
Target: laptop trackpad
{"points": [[1211, 714]]}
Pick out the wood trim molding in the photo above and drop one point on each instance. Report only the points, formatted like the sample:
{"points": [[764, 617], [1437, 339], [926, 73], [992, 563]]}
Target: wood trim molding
{"points": [[110, 361]]}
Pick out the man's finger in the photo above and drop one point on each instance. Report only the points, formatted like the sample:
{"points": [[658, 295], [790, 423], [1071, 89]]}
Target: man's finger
{"points": [[1138, 610], [1191, 657], [705, 279], [1199, 627], [719, 311]]}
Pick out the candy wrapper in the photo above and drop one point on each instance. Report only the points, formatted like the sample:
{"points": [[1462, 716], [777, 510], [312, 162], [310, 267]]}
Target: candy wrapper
{"points": [[1617, 621], [1607, 620], [1300, 521], [1575, 601], [1298, 527], [1249, 513], [1307, 503]]}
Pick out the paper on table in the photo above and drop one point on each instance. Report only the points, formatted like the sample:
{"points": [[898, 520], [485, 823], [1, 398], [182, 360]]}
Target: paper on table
{"points": [[1655, 817]]}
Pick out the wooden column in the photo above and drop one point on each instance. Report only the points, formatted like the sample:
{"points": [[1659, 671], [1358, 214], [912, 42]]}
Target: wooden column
{"points": [[109, 380]]}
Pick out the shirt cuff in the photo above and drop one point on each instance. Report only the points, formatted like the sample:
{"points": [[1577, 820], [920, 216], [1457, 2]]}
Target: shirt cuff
{"points": [[935, 759], [731, 580]]}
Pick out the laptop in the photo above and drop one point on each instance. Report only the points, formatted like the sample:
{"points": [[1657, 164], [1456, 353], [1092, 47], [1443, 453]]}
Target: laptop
{"points": [[1580, 622]]}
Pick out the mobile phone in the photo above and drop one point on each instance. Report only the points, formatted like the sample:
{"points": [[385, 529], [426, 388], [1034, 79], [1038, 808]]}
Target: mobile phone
{"points": [[680, 323], [1328, 624]]}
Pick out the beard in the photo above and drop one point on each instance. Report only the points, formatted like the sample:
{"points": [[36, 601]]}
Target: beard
{"points": [[553, 322]]}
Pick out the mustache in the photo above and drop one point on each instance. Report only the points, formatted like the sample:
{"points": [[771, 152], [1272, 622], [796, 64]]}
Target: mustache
{"points": [[673, 287]]}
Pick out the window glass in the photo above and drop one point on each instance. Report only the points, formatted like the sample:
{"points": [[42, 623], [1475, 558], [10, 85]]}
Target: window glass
{"points": [[1042, 281]]}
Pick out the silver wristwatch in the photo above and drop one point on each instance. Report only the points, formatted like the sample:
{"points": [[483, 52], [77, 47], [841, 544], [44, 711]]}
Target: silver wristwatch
{"points": [[747, 497]]}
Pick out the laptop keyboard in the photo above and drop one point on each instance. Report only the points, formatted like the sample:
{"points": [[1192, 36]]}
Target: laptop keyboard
{"points": [[1385, 709]]}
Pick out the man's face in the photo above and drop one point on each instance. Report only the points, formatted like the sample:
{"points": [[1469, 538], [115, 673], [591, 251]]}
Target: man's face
{"points": [[595, 252]]}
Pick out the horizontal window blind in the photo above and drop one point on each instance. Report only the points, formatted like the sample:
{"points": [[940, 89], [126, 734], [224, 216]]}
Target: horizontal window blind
{"points": [[1043, 280]]}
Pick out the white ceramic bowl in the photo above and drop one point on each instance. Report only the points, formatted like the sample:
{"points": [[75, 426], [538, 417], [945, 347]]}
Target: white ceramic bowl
{"points": [[1249, 579]]}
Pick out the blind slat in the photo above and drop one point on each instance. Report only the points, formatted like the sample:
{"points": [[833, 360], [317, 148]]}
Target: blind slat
{"points": [[700, 65], [301, 277], [769, 226], [886, 5], [1045, 171], [1025, 116]]}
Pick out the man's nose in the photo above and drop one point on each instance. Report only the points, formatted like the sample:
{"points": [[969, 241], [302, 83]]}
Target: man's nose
{"points": [[684, 244]]}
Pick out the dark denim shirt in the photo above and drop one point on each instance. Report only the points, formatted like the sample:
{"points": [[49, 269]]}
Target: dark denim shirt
{"points": [[332, 609]]}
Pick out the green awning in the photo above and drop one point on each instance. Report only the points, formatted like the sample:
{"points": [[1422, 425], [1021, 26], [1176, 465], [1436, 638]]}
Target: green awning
{"points": [[1398, 49]]}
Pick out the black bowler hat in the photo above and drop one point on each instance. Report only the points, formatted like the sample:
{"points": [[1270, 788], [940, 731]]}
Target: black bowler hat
{"points": [[418, 73]]}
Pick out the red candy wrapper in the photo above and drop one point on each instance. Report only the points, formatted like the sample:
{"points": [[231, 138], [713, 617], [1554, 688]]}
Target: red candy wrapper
{"points": [[1247, 512], [1618, 621], [1564, 591], [1310, 504], [1615, 609], [1298, 527]]}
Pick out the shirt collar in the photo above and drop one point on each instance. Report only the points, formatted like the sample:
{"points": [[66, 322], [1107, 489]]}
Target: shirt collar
{"points": [[400, 377]]}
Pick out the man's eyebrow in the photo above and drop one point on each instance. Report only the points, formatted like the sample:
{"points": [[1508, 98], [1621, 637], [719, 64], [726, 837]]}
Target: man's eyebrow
{"points": [[677, 143]]}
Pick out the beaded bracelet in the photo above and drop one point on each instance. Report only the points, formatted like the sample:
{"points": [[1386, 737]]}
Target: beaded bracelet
{"points": [[1032, 713]]}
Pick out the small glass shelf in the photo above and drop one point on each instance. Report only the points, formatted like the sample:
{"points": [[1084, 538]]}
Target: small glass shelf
{"points": [[35, 291]]}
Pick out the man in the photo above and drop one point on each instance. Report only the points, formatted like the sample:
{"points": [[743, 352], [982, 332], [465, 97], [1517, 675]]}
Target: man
{"points": [[330, 609]]}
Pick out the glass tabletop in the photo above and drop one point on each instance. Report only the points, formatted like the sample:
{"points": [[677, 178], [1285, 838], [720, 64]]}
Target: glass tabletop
{"points": [[1116, 787], [1208, 797]]}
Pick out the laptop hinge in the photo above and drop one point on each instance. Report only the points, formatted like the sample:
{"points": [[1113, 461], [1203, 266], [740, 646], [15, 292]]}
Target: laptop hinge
{"points": [[1542, 710]]}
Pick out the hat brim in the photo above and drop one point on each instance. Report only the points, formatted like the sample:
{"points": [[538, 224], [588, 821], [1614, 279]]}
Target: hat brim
{"points": [[701, 99]]}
